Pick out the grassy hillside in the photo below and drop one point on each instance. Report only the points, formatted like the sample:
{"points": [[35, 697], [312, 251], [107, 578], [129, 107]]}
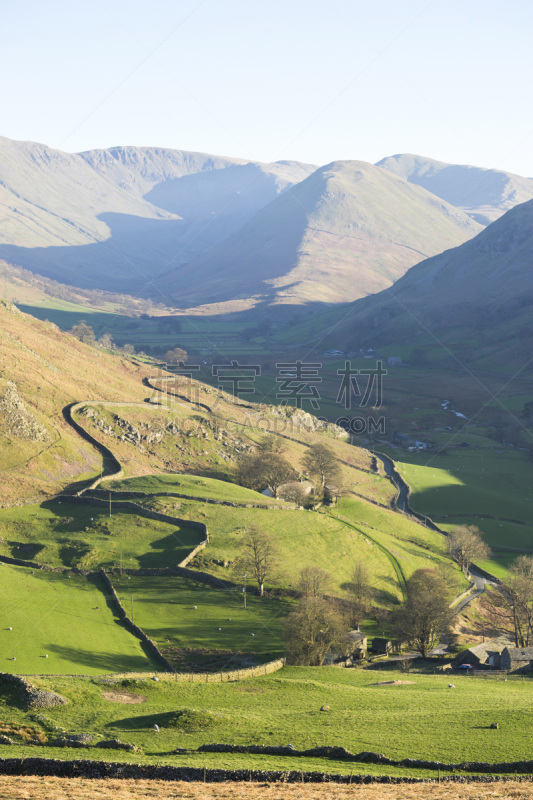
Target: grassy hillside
{"points": [[424, 719], [200, 628], [63, 534]]}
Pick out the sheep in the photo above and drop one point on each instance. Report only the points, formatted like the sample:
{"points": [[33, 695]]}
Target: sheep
{"points": [[451, 686]]}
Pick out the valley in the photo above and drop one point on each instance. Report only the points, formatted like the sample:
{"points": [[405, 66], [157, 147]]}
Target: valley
{"points": [[130, 489]]}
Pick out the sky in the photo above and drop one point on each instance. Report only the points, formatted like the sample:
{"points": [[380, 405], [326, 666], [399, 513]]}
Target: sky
{"points": [[309, 80]]}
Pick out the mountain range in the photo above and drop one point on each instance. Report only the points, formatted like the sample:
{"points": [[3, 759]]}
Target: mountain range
{"points": [[187, 228]]}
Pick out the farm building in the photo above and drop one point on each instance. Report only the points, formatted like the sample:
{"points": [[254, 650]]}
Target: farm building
{"points": [[517, 659], [381, 646], [354, 650], [486, 655]]}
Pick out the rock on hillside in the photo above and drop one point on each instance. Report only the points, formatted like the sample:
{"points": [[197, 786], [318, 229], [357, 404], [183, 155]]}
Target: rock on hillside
{"points": [[17, 420]]}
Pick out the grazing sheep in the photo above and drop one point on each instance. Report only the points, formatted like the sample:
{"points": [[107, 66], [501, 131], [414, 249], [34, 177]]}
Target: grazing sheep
{"points": [[156, 728], [451, 686]]}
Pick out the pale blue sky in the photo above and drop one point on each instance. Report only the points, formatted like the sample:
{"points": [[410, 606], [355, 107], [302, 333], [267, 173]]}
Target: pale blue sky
{"points": [[312, 80]]}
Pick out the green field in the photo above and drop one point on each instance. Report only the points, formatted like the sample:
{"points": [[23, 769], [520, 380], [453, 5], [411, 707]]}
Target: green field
{"points": [[70, 535], [191, 485], [66, 618], [194, 624], [425, 719]]}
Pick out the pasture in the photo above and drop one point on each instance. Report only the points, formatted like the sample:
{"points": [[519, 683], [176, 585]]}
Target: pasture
{"points": [[58, 624], [63, 534], [424, 719], [197, 626]]}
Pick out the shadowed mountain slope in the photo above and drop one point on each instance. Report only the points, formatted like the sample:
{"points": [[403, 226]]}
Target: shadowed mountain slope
{"points": [[348, 230], [85, 219], [481, 291]]}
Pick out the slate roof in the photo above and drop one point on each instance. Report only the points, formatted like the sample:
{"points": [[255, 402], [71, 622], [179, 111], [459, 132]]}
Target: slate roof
{"points": [[520, 653], [486, 649]]}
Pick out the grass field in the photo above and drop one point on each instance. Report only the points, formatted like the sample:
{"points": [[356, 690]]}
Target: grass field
{"points": [[70, 535], [424, 719], [67, 618], [196, 625], [192, 485]]}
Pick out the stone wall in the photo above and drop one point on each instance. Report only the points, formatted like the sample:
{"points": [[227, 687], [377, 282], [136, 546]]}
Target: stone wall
{"points": [[86, 768], [149, 644]]}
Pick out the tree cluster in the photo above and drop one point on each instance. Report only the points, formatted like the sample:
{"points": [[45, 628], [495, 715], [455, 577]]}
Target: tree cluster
{"points": [[312, 630], [321, 463], [265, 467]]}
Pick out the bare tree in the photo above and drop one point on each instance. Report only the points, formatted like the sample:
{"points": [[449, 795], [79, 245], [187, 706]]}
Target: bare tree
{"points": [[512, 605], [465, 544], [294, 492], [425, 614], [272, 444], [321, 462], [312, 630], [314, 581], [106, 340], [361, 593], [259, 557]]}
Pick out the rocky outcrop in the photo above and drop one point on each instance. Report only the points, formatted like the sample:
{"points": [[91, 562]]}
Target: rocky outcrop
{"points": [[30, 696], [18, 421]]}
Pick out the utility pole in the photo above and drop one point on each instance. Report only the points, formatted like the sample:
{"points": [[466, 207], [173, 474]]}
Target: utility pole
{"points": [[109, 503]]}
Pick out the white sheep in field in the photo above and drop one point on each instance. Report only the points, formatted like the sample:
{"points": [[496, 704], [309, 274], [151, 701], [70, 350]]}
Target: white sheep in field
{"points": [[451, 686]]}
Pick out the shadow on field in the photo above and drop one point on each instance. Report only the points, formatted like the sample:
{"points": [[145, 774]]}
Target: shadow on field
{"points": [[185, 719], [107, 662], [171, 549], [385, 597]]}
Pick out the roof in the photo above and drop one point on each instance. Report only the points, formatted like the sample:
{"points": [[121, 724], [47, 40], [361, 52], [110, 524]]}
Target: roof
{"points": [[356, 636], [520, 653], [486, 649]]}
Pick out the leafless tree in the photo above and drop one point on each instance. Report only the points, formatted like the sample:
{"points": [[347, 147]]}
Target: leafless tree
{"points": [[259, 557], [465, 544], [314, 581], [425, 614], [312, 630], [321, 462], [257, 470], [361, 593], [176, 356]]}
